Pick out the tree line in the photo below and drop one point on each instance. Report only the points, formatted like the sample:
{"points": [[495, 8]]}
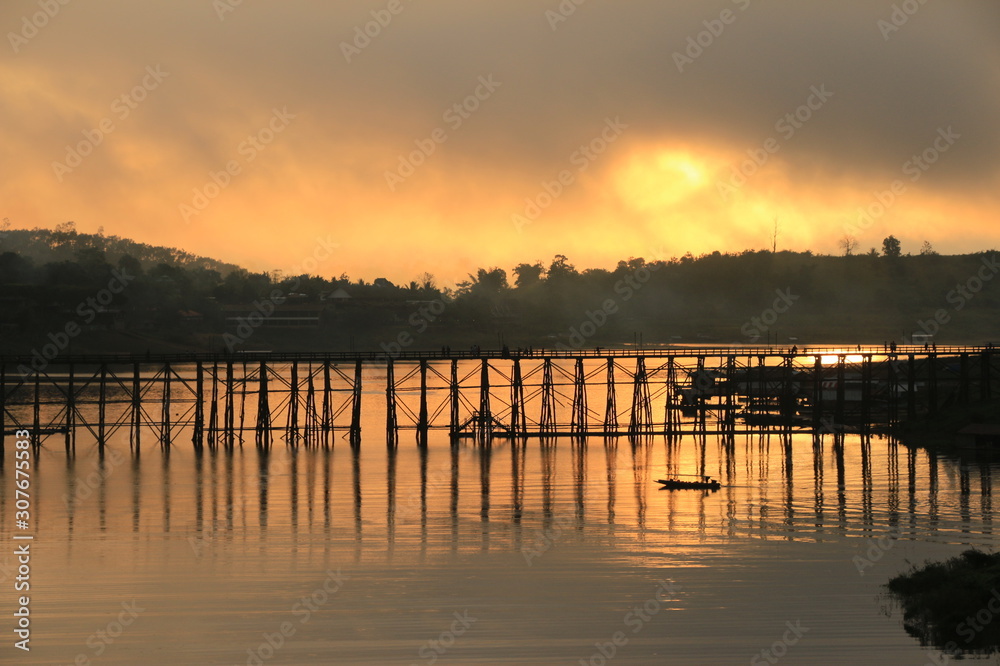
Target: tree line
{"points": [[725, 297]]}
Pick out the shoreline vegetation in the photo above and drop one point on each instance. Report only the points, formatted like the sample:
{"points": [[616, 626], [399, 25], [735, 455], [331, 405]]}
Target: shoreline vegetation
{"points": [[952, 605], [108, 294]]}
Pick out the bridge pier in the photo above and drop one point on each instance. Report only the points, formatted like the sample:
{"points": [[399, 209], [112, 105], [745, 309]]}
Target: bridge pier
{"points": [[200, 393]]}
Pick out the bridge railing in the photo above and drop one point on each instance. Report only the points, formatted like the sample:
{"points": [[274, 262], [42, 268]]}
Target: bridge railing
{"points": [[34, 360]]}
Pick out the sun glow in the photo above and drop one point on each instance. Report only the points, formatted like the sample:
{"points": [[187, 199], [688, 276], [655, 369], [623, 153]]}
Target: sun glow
{"points": [[660, 179], [830, 359]]}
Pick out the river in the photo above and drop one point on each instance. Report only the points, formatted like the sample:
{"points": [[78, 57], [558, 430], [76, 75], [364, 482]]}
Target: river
{"points": [[537, 552]]}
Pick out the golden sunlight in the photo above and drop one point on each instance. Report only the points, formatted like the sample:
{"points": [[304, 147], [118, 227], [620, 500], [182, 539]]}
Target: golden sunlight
{"points": [[661, 178]]}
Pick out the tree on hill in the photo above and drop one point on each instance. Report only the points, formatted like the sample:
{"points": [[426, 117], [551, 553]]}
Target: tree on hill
{"points": [[891, 247], [848, 244], [528, 275]]}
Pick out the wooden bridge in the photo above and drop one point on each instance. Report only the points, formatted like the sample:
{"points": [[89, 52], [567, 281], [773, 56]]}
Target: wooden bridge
{"points": [[312, 399]]}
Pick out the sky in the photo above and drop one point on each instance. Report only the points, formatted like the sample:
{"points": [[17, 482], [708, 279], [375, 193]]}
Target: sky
{"points": [[397, 137]]}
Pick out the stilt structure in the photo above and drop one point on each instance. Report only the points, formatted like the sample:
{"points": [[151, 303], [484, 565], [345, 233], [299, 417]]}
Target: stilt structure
{"points": [[486, 395]]}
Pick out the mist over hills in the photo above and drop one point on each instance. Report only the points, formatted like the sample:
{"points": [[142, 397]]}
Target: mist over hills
{"points": [[65, 243], [82, 292]]}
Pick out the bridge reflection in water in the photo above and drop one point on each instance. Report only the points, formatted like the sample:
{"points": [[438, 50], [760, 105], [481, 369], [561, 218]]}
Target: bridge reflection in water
{"points": [[510, 495]]}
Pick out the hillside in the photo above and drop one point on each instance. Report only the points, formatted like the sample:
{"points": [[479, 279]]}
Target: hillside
{"points": [[64, 243], [116, 294]]}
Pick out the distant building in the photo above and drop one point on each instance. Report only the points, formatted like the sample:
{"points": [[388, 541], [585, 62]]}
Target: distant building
{"points": [[301, 315], [338, 294]]}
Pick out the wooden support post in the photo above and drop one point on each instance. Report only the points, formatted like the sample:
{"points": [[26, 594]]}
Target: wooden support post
{"points": [[327, 420], [70, 407], [518, 426], [757, 395], [932, 387], [866, 392], [165, 414], [788, 404], [672, 406], [963, 378], [453, 417], [730, 417], [700, 387], [3, 410], [485, 411], [135, 439], [547, 419], [292, 426], [817, 393], [311, 428], [36, 419], [985, 390], [893, 395], [578, 420], [422, 418], [263, 429], [391, 426], [911, 387], [199, 407], [641, 414], [355, 434], [243, 407], [213, 409], [102, 408], [611, 400], [230, 417], [841, 379]]}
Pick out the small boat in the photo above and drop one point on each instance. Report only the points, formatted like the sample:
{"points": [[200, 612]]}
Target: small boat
{"points": [[706, 483]]}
